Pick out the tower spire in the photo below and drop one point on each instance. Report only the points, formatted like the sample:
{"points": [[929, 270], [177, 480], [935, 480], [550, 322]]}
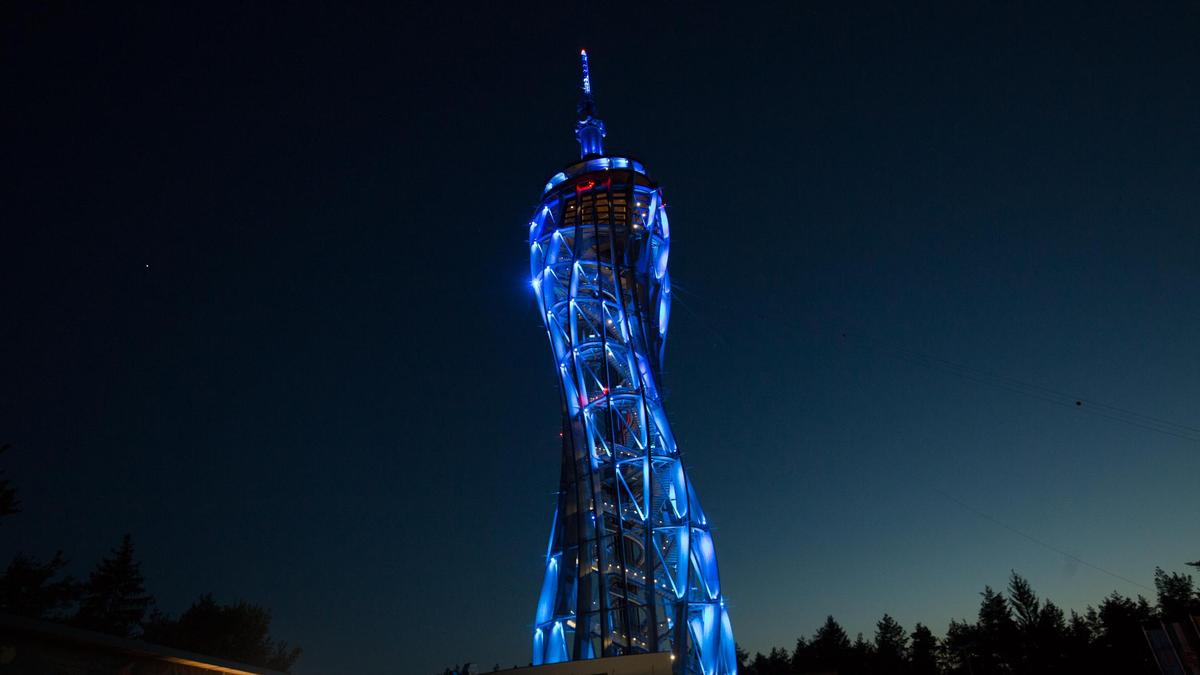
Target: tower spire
{"points": [[589, 129]]}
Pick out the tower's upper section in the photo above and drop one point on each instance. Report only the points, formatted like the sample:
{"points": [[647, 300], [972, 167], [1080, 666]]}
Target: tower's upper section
{"points": [[589, 129]]}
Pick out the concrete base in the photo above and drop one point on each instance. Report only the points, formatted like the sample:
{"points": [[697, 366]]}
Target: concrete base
{"points": [[635, 664]]}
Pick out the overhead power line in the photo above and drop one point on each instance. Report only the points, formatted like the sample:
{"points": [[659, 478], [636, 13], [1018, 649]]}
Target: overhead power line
{"points": [[1029, 389], [927, 483], [1037, 541]]}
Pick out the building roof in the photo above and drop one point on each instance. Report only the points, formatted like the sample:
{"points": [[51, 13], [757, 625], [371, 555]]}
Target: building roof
{"points": [[34, 630]]}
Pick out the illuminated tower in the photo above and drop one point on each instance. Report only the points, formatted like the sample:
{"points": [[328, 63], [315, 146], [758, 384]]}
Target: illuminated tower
{"points": [[630, 566]]}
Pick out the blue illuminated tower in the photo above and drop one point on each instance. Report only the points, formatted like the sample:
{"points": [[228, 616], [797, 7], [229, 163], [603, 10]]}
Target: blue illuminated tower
{"points": [[631, 566]]}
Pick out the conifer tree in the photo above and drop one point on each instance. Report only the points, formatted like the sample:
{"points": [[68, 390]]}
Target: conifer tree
{"points": [[891, 645], [778, 662], [760, 665], [830, 645], [1120, 644], [1177, 594], [860, 657], [240, 632], [114, 597], [1042, 641], [1025, 603], [34, 589], [802, 659], [1079, 639], [996, 632], [961, 646], [923, 654]]}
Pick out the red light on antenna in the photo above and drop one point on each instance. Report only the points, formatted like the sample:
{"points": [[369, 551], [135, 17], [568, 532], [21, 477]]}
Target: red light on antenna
{"points": [[582, 52]]}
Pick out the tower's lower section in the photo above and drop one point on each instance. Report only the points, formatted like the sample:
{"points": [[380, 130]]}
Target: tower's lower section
{"points": [[631, 566], [653, 663]]}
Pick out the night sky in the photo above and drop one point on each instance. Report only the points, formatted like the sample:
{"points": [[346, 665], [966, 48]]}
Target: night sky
{"points": [[265, 302]]}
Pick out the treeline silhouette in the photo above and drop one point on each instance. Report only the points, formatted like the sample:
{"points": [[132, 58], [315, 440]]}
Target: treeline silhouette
{"points": [[1014, 633], [113, 600]]}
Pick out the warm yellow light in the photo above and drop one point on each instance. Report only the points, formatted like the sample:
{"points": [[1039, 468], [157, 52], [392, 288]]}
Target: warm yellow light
{"points": [[205, 666]]}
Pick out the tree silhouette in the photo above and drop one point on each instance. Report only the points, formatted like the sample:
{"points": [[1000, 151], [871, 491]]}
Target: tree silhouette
{"points": [[1025, 603], [114, 597], [830, 646], [114, 600], [923, 655], [1041, 643], [996, 633], [860, 657], [1017, 634], [961, 647], [759, 665], [779, 662], [1120, 644], [802, 658], [1048, 644], [239, 632], [1079, 645], [32, 588], [891, 646], [1177, 594]]}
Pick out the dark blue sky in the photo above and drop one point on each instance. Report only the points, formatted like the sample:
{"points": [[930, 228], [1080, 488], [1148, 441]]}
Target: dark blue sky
{"points": [[329, 391]]}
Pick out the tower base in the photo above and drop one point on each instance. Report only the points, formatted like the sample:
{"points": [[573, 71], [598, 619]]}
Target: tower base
{"points": [[659, 663]]}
